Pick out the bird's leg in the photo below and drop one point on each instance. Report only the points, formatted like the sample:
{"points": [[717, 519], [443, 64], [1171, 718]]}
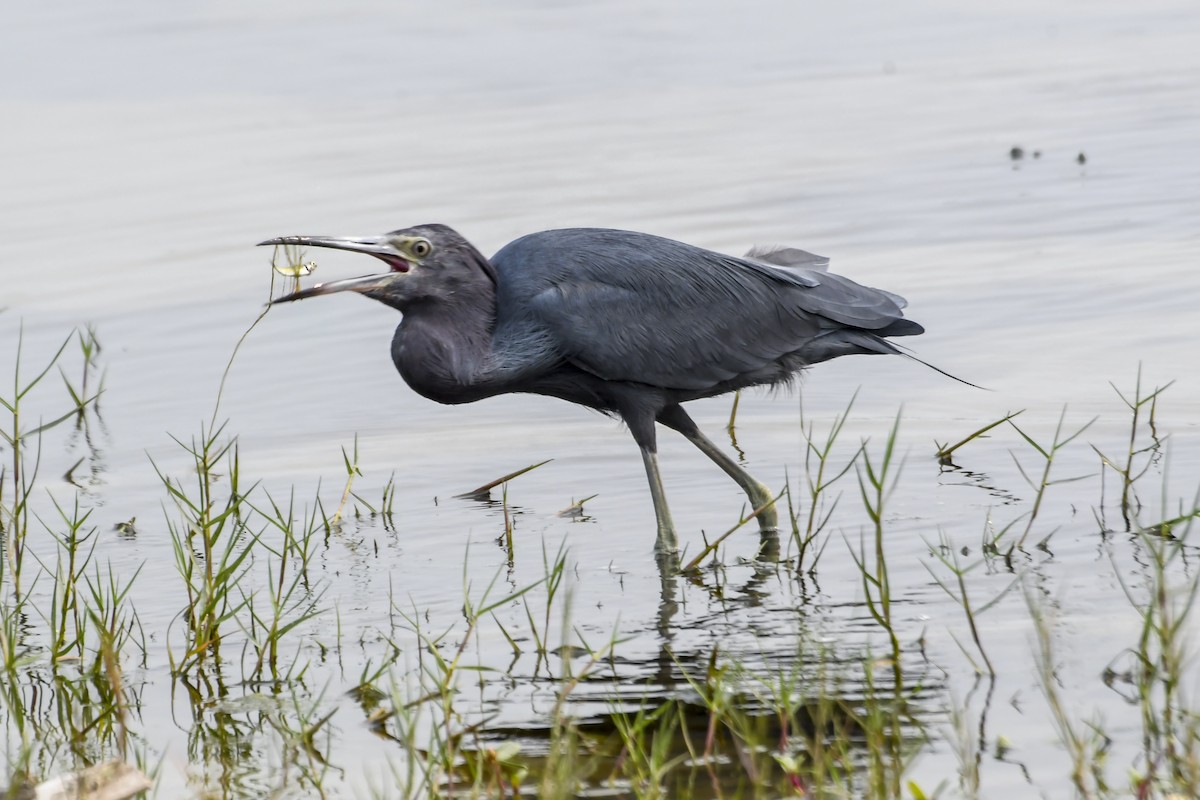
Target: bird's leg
{"points": [[641, 425], [676, 418], [666, 542]]}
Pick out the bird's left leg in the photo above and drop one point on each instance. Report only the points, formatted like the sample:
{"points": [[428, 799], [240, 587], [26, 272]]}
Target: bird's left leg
{"points": [[676, 418]]}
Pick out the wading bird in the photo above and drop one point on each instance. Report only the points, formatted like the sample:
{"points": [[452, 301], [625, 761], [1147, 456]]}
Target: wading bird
{"points": [[630, 324]]}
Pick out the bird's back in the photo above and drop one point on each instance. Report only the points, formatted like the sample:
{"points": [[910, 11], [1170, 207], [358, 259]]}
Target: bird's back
{"points": [[634, 307]]}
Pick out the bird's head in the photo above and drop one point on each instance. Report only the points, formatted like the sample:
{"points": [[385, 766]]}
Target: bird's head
{"points": [[426, 263]]}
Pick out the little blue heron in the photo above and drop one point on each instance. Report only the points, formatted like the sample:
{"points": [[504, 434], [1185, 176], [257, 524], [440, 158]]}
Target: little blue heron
{"points": [[626, 323]]}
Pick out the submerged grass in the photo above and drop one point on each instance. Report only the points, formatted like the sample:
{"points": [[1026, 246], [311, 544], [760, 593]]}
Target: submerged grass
{"points": [[258, 656]]}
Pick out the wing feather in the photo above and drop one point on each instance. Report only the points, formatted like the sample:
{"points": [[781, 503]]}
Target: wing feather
{"points": [[634, 307]]}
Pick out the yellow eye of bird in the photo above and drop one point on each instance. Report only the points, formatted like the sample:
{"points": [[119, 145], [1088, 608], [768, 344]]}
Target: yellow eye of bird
{"points": [[421, 248]]}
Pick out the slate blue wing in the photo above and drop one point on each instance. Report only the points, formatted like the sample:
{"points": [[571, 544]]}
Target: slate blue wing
{"points": [[633, 307]]}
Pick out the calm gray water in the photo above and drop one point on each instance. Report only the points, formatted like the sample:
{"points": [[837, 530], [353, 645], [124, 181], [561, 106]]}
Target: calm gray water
{"points": [[147, 147]]}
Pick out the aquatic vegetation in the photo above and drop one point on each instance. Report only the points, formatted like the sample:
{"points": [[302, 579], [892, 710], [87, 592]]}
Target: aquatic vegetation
{"points": [[746, 680]]}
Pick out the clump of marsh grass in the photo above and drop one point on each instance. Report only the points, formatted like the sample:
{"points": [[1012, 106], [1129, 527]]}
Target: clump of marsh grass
{"points": [[69, 634], [949, 558], [1047, 453], [422, 711], [65, 699], [212, 544], [746, 732], [1139, 458], [292, 599], [1152, 673], [89, 350], [1159, 666], [820, 476], [844, 723], [1086, 744], [876, 481], [794, 731], [19, 475]]}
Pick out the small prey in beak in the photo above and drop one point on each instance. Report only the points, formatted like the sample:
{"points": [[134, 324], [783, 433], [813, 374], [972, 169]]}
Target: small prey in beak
{"points": [[386, 248]]}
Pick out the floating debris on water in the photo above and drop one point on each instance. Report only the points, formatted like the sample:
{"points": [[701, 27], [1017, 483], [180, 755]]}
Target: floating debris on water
{"points": [[113, 780], [575, 510]]}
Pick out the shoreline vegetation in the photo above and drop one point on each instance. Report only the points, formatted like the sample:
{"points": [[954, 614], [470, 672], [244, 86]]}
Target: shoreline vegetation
{"points": [[248, 656]]}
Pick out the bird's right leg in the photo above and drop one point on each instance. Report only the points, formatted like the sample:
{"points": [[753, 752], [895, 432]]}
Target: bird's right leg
{"points": [[760, 496], [666, 541], [642, 428]]}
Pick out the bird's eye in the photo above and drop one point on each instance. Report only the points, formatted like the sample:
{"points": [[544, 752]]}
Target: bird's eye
{"points": [[421, 248]]}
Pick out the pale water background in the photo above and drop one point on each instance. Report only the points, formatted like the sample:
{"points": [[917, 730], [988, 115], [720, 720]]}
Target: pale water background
{"points": [[145, 147]]}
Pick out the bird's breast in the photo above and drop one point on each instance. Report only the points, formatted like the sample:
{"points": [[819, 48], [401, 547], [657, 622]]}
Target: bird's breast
{"points": [[437, 370]]}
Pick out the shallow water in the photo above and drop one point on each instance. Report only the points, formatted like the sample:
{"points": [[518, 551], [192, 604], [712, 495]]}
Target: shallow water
{"points": [[147, 148]]}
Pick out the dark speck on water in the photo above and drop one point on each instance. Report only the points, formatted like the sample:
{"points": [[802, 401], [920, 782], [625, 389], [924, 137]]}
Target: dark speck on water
{"points": [[1016, 154], [1081, 159]]}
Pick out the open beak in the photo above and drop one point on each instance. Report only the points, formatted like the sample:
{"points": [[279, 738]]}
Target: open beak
{"points": [[378, 246]]}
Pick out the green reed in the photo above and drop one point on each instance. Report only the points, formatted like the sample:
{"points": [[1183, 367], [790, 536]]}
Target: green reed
{"points": [[292, 599], [212, 543], [876, 482], [69, 631], [820, 476], [19, 475], [835, 721]]}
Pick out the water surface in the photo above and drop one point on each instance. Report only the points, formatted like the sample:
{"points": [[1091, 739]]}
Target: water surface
{"points": [[148, 147]]}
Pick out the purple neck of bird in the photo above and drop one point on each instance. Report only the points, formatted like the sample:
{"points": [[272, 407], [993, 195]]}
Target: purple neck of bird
{"points": [[442, 348]]}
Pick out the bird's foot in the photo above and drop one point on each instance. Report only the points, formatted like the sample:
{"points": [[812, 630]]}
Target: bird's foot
{"points": [[666, 543], [768, 518], [768, 547]]}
